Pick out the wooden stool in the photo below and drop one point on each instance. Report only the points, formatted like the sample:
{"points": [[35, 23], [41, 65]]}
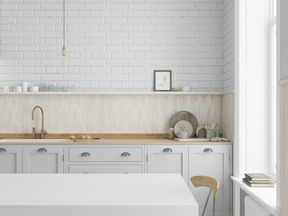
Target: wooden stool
{"points": [[206, 181]]}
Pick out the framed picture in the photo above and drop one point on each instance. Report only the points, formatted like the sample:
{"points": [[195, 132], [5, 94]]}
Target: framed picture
{"points": [[162, 80]]}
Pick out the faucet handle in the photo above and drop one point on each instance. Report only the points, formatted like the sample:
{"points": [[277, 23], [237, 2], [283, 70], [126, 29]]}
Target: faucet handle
{"points": [[43, 133], [33, 133]]}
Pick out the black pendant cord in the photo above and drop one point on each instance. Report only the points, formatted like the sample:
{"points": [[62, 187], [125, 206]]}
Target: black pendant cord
{"points": [[64, 32]]}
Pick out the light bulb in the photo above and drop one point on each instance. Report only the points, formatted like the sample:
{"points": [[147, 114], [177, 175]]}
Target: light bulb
{"points": [[63, 53]]}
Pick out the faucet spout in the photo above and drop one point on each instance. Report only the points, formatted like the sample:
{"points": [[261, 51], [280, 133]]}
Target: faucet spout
{"points": [[43, 132]]}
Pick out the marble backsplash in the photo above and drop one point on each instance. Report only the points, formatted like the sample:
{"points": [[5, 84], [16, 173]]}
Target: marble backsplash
{"points": [[107, 113]]}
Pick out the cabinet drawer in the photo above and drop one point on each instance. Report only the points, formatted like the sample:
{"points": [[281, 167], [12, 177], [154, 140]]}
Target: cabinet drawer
{"points": [[105, 168], [105, 154]]}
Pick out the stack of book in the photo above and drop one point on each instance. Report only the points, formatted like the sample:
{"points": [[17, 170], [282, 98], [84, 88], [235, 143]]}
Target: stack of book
{"points": [[258, 180]]}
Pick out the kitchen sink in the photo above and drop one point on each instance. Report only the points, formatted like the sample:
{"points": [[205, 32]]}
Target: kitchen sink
{"points": [[34, 140]]}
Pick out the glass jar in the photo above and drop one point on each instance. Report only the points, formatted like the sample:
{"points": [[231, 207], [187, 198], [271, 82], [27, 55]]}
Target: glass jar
{"points": [[217, 132], [209, 133], [171, 134]]}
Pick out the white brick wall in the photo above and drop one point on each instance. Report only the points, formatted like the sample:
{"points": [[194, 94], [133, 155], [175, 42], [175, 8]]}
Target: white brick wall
{"points": [[228, 43], [116, 44]]}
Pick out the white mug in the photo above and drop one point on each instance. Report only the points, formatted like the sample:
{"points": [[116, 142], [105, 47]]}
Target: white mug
{"points": [[6, 89], [24, 86], [18, 88], [186, 88], [34, 88], [183, 134]]}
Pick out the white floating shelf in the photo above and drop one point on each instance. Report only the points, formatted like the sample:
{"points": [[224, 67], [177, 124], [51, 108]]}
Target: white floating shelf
{"points": [[115, 93]]}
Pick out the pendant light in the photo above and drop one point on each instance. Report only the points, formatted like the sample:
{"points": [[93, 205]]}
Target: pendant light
{"points": [[63, 50]]}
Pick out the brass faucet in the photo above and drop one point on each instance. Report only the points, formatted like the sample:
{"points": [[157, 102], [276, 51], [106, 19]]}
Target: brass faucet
{"points": [[43, 132]]}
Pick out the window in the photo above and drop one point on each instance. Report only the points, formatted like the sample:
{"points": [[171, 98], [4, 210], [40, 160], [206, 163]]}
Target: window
{"points": [[256, 88], [272, 88]]}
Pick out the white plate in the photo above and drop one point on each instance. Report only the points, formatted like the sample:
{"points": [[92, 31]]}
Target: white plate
{"points": [[184, 115], [183, 125]]}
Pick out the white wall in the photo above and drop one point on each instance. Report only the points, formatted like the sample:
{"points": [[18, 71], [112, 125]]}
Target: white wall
{"points": [[115, 45], [283, 150], [228, 45], [228, 115], [283, 40]]}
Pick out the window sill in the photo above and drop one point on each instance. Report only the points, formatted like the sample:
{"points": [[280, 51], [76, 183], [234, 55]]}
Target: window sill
{"points": [[267, 197]]}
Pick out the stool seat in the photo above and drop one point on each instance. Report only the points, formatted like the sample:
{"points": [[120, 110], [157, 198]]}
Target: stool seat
{"points": [[206, 181]]}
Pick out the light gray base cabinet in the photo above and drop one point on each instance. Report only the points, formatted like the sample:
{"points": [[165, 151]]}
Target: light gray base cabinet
{"points": [[168, 159], [105, 159], [43, 159], [31, 159], [214, 161], [10, 159], [105, 168], [187, 160]]}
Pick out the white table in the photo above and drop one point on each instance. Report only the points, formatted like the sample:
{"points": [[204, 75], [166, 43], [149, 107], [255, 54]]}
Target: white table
{"points": [[95, 194]]}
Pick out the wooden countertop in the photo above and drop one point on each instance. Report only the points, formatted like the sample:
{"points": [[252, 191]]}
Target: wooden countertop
{"points": [[108, 142]]}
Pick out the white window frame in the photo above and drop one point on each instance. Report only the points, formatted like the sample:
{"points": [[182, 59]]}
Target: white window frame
{"points": [[272, 92]]}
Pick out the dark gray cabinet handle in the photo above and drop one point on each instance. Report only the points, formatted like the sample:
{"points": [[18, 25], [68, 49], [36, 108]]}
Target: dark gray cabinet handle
{"points": [[125, 154], [208, 150], [42, 150], [2, 150], [85, 154], [167, 150]]}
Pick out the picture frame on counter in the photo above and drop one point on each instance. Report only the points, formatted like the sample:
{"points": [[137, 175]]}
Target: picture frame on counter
{"points": [[162, 80]]}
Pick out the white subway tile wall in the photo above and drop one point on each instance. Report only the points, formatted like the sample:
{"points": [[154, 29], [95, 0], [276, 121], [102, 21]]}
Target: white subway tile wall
{"points": [[116, 44], [228, 43]]}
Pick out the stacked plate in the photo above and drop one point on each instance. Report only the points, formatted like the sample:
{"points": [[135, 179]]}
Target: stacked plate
{"points": [[184, 121]]}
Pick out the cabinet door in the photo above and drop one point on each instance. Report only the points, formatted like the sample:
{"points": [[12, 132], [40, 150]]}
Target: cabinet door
{"points": [[43, 159], [105, 168], [10, 159], [211, 161], [168, 159]]}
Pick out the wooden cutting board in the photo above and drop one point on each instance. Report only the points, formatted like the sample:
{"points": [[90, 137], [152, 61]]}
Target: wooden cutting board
{"points": [[192, 140], [86, 140]]}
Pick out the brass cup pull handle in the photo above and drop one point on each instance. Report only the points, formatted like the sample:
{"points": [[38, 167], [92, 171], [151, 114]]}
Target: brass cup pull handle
{"points": [[2, 150], [125, 154], [85, 154], [208, 150], [42, 150], [167, 150]]}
